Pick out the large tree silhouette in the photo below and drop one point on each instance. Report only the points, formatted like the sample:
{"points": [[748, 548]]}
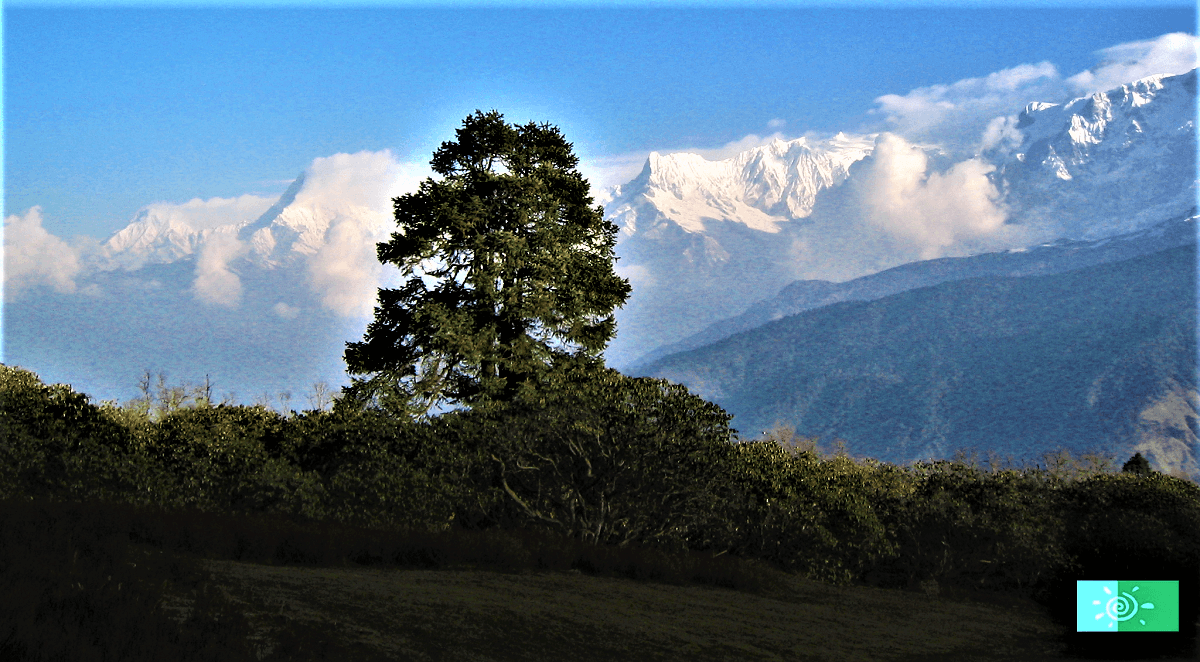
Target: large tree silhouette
{"points": [[509, 268]]}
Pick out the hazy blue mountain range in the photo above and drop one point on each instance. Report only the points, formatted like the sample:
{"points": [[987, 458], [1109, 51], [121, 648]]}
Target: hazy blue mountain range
{"points": [[1100, 358], [1045, 259]]}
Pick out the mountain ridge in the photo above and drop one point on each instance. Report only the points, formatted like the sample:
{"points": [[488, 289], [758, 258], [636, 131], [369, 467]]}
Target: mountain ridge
{"points": [[1101, 358], [1055, 257]]}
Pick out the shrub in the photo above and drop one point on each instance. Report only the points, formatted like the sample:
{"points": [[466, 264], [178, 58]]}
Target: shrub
{"points": [[972, 529], [54, 442], [380, 471], [232, 458], [606, 458], [807, 514]]}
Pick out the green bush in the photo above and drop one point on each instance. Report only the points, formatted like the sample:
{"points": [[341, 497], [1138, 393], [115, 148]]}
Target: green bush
{"points": [[1141, 518], [232, 458], [54, 442], [606, 458], [971, 529], [808, 514], [376, 470]]}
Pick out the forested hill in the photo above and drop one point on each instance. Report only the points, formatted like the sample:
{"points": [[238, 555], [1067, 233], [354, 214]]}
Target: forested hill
{"points": [[1101, 358]]}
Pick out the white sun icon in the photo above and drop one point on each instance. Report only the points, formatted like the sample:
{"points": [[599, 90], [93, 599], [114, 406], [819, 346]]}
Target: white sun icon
{"points": [[1121, 608]]}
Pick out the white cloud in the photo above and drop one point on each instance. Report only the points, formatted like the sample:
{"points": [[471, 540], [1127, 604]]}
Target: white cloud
{"points": [[357, 190], [955, 115], [362, 180], [776, 123], [931, 212], [210, 214], [215, 283], [1174, 53], [980, 112], [285, 311], [345, 272], [1001, 133], [33, 256]]}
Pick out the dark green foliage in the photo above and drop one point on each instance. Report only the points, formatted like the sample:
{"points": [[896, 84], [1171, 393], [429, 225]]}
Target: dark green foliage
{"points": [[233, 458], [377, 470], [607, 458], [1143, 519], [594, 471], [807, 514], [510, 267], [1136, 465], [964, 527], [53, 442], [1136, 526]]}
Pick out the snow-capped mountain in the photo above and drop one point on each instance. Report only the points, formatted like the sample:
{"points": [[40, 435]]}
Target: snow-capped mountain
{"points": [[262, 295], [1109, 163], [703, 240], [284, 235], [759, 188], [153, 239]]}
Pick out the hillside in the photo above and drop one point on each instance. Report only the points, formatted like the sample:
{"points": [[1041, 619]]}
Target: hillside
{"points": [[1007, 365]]}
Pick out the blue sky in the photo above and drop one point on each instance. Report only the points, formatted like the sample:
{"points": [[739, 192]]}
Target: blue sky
{"points": [[107, 110]]}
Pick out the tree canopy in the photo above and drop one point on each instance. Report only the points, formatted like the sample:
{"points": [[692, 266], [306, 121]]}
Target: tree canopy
{"points": [[509, 268]]}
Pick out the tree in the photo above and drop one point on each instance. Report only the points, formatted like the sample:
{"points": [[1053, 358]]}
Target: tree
{"points": [[1137, 464], [509, 272]]}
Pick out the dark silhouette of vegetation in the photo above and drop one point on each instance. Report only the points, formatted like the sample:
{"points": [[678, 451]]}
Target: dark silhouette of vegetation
{"points": [[1137, 465], [602, 474]]}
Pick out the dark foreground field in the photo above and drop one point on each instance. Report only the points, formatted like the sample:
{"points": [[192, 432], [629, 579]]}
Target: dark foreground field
{"points": [[405, 614]]}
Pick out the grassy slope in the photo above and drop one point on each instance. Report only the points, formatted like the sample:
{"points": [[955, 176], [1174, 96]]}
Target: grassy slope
{"points": [[467, 614]]}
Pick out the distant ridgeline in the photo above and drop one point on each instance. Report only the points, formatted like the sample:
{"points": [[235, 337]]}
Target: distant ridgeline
{"points": [[1101, 358]]}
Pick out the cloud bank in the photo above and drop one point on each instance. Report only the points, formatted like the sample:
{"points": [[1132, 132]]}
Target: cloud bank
{"points": [[357, 190], [364, 180], [1175, 53], [954, 115], [929, 212], [216, 283], [208, 214], [33, 257]]}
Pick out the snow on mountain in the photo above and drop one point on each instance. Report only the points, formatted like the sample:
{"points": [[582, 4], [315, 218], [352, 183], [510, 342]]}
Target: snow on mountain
{"points": [[760, 188], [702, 239], [285, 234], [162, 233], [1106, 164], [153, 239]]}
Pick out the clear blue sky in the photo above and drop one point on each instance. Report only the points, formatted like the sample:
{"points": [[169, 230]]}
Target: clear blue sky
{"points": [[109, 109]]}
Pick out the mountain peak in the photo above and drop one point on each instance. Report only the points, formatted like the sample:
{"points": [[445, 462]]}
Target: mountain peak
{"points": [[760, 187], [1107, 153]]}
